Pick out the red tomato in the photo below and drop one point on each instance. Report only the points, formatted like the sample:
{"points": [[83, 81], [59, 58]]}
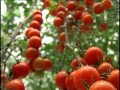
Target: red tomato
{"points": [[38, 18], [58, 22], [31, 53], [114, 78], [35, 42], [86, 74], [34, 32], [20, 70], [61, 15], [71, 5], [35, 24], [69, 81], [77, 14], [98, 8], [28, 30], [38, 64], [60, 79], [102, 85], [93, 55], [62, 37], [47, 64], [74, 62], [87, 19], [106, 4], [105, 68], [15, 84], [89, 2], [37, 12]]}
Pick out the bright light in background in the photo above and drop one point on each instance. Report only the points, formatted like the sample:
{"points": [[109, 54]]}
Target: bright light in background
{"points": [[3, 8]]}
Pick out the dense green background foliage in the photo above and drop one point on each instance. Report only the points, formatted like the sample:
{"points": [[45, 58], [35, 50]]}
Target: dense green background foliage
{"points": [[16, 13]]}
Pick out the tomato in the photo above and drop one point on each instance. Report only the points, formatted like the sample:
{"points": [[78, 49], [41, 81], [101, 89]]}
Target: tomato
{"points": [[71, 5], [34, 32], [47, 3], [98, 8], [87, 19], [53, 12], [60, 79], [31, 53], [77, 14], [61, 8], [62, 37], [37, 12], [69, 81], [35, 42], [38, 18], [28, 30], [106, 4], [114, 78], [20, 70], [105, 68], [74, 62], [81, 8], [89, 2], [104, 26], [61, 15], [35, 24], [15, 84], [93, 55], [102, 85], [38, 64], [58, 22], [87, 74], [47, 64], [84, 28]]}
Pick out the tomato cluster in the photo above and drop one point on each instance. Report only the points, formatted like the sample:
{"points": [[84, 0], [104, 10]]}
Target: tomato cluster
{"points": [[34, 61], [91, 72], [80, 14]]}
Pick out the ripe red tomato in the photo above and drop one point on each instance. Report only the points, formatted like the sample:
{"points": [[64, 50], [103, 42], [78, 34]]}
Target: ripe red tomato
{"points": [[74, 62], [46, 3], [77, 14], [69, 81], [105, 68], [31, 53], [87, 19], [62, 37], [53, 12], [37, 12], [34, 32], [35, 42], [15, 84], [71, 5], [93, 55], [61, 8], [35, 24], [60, 79], [89, 2], [98, 8], [106, 4], [114, 78], [28, 30], [20, 70], [61, 15], [58, 22], [47, 64], [81, 8], [104, 26], [102, 85], [38, 18], [38, 64], [87, 74]]}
